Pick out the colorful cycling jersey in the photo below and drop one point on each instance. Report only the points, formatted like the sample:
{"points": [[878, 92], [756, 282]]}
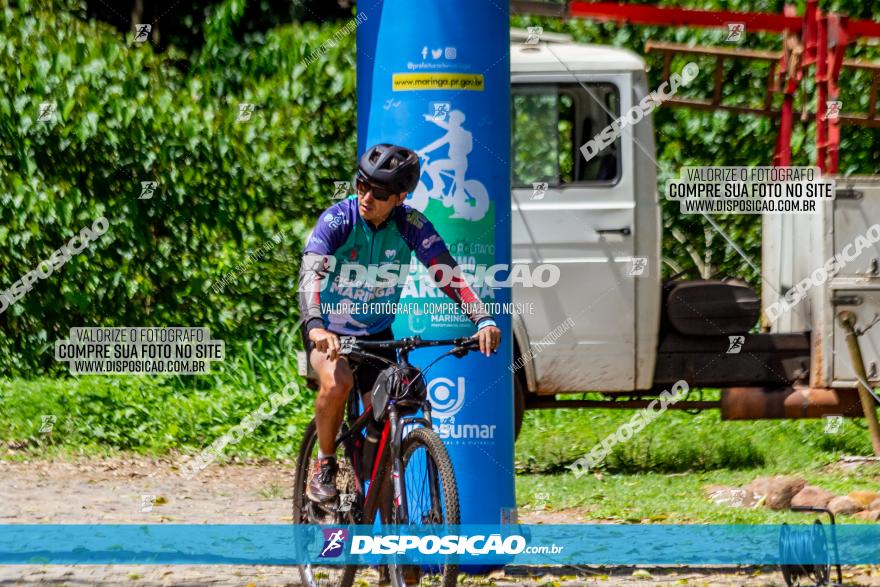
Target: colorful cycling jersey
{"points": [[349, 267]]}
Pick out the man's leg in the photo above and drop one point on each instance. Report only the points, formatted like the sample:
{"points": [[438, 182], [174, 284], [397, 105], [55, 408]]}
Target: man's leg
{"points": [[335, 381]]}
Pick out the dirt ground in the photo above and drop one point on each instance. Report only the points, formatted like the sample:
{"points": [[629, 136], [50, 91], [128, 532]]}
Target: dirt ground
{"points": [[110, 490]]}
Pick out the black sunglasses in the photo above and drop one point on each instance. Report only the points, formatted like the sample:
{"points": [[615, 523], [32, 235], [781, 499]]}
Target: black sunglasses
{"points": [[381, 194]]}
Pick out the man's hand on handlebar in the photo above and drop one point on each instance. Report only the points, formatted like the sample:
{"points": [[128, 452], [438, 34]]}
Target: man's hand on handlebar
{"points": [[490, 338], [326, 342]]}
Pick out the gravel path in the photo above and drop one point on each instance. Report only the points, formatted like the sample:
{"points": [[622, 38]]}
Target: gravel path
{"points": [[110, 490]]}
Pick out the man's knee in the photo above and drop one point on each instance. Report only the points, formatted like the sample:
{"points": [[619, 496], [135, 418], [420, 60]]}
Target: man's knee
{"points": [[337, 381]]}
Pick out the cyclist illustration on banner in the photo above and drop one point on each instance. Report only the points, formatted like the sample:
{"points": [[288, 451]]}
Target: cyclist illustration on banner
{"points": [[468, 197]]}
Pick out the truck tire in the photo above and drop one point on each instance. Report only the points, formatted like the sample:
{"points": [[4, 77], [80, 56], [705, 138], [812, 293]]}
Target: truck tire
{"points": [[519, 405]]}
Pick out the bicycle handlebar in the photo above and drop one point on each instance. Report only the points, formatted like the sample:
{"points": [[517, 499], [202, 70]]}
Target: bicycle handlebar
{"points": [[408, 343]]}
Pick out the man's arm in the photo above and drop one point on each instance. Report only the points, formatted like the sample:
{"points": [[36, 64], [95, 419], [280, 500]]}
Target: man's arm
{"points": [[443, 266], [331, 230], [444, 269], [423, 239], [313, 271]]}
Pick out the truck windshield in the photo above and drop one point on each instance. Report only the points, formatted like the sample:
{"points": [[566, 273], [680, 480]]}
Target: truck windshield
{"points": [[551, 122]]}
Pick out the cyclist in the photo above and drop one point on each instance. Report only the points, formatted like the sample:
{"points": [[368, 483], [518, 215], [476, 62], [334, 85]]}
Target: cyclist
{"points": [[461, 143], [373, 229]]}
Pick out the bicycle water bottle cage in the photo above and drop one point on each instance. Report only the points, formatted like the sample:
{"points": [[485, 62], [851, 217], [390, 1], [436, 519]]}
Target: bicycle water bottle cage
{"points": [[404, 385]]}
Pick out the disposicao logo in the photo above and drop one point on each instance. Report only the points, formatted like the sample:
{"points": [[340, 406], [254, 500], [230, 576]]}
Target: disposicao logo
{"points": [[444, 545], [334, 542]]}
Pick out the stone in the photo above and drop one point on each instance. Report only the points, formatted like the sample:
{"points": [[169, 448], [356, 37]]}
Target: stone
{"points": [[870, 515], [777, 491], [843, 505], [874, 505], [863, 498], [812, 496]]}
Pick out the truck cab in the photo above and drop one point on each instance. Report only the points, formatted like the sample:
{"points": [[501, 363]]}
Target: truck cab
{"points": [[597, 220]]}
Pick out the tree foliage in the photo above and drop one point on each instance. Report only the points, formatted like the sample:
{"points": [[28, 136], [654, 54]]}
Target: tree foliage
{"points": [[126, 114], [130, 112]]}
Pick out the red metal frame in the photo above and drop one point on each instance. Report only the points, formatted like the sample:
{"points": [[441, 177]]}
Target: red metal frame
{"points": [[815, 39], [656, 15]]}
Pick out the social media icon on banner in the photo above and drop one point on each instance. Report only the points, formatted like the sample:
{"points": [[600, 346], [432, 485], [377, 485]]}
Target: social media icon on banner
{"points": [[441, 110]]}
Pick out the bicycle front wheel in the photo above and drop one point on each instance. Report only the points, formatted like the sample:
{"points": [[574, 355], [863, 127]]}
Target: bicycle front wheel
{"points": [[431, 495]]}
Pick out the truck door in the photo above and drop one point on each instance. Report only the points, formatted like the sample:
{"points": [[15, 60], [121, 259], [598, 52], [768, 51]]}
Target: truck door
{"points": [[577, 214]]}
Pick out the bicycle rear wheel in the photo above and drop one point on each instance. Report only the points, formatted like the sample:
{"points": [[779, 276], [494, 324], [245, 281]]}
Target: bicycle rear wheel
{"points": [[428, 482], [304, 512]]}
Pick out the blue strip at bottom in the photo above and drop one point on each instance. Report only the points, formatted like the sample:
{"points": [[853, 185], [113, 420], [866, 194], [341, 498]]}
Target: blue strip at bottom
{"points": [[605, 544]]}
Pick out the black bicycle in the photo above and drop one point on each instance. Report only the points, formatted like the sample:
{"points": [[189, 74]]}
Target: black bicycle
{"points": [[405, 476]]}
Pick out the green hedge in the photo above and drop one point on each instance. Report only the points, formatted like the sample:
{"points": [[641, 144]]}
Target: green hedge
{"points": [[126, 114]]}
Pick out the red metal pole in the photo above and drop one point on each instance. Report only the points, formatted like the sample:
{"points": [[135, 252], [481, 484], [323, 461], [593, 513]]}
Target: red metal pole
{"points": [[667, 16], [810, 32], [822, 93], [790, 76], [837, 39], [783, 141], [641, 14]]}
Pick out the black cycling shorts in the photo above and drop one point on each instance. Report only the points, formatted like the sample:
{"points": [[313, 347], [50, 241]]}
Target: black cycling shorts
{"points": [[365, 373]]}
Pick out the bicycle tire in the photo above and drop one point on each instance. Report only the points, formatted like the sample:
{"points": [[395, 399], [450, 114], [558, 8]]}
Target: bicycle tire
{"points": [[434, 447], [300, 516]]}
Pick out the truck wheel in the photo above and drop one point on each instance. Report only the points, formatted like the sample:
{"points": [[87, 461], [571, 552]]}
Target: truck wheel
{"points": [[519, 405]]}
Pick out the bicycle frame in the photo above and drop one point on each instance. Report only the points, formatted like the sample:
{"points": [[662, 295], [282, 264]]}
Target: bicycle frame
{"points": [[389, 446]]}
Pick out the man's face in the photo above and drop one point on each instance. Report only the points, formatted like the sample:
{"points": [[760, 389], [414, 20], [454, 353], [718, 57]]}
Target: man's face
{"points": [[374, 210]]}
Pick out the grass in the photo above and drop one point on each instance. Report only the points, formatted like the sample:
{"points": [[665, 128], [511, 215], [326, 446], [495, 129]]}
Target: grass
{"points": [[94, 415], [669, 499], [658, 476], [679, 442]]}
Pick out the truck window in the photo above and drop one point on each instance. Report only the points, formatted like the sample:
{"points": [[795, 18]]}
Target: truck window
{"points": [[551, 122]]}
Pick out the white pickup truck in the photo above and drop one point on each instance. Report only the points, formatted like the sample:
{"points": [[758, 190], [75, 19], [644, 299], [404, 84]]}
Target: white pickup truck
{"points": [[622, 331]]}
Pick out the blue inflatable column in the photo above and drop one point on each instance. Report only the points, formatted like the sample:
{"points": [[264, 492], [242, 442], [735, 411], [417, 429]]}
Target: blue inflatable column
{"points": [[434, 76]]}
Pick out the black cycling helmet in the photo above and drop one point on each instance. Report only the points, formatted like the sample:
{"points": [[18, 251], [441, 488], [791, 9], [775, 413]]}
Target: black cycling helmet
{"points": [[391, 167]]}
